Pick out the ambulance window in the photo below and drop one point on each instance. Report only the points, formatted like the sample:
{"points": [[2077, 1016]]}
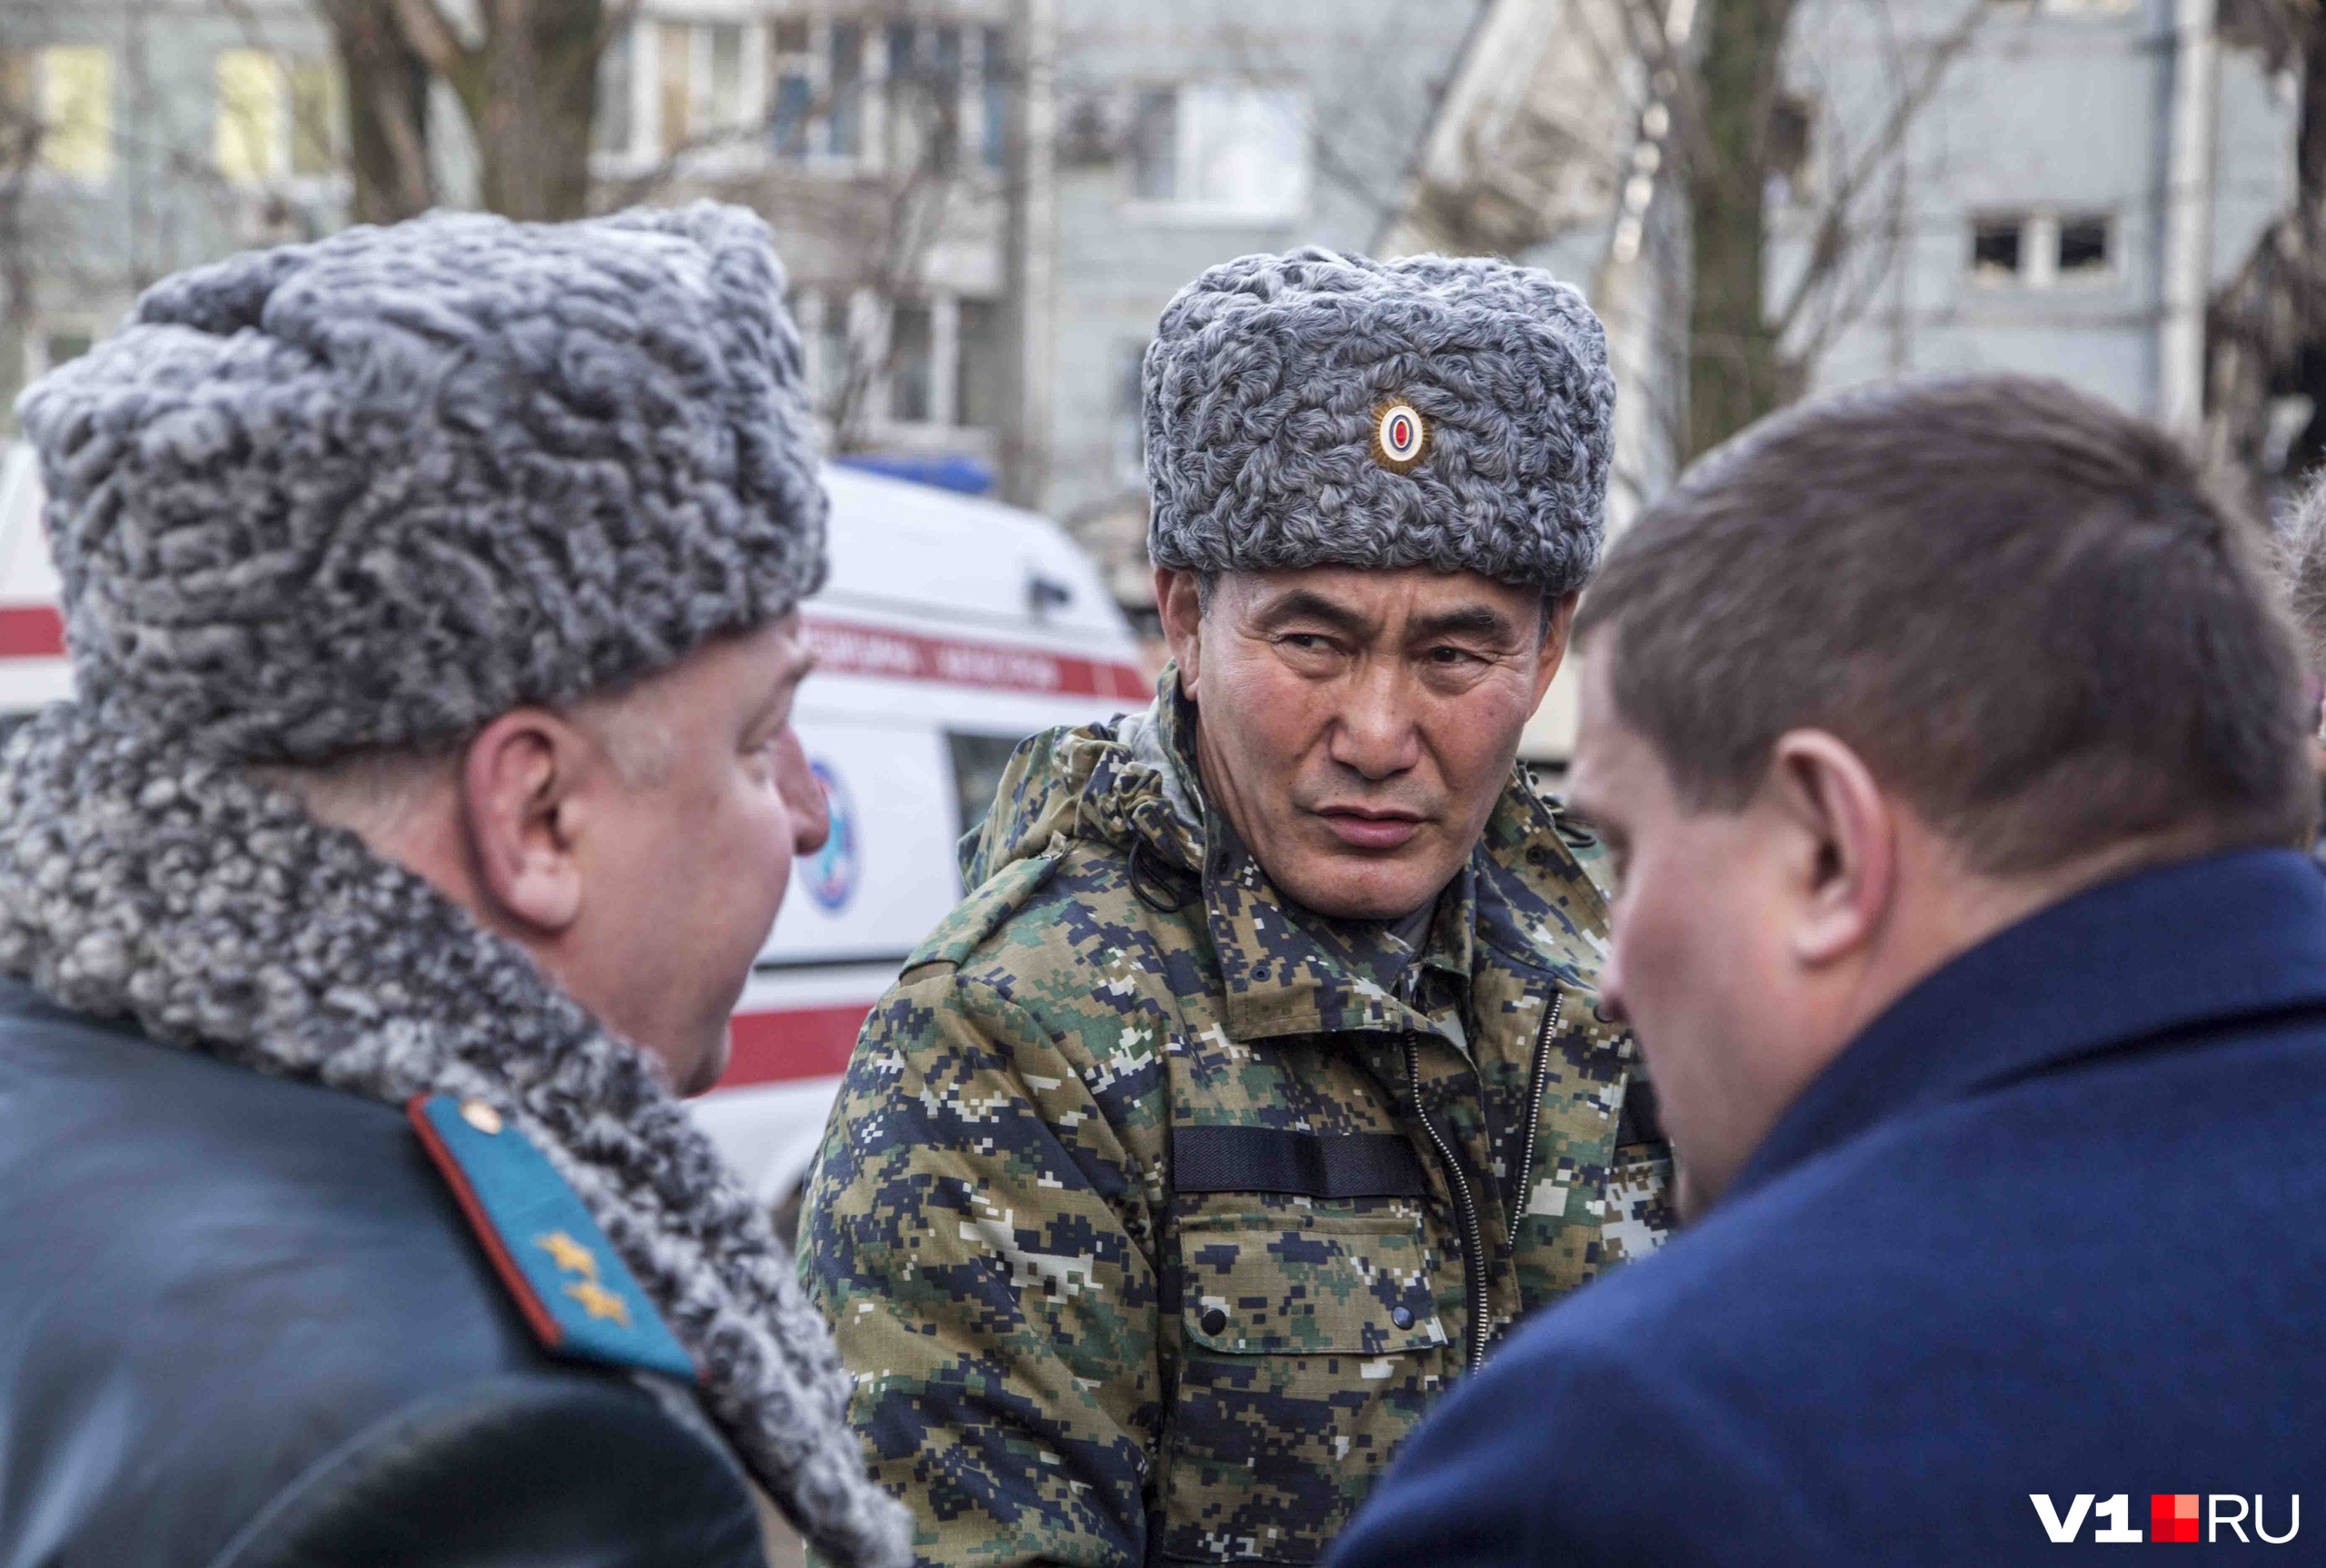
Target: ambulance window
{"points": [[8, 723], [978, 763]]}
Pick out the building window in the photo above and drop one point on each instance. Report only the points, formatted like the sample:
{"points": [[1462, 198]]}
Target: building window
{"points": [[674, 88], [978, 366], [945, 99], [614, 128], [249, 126], [276, 118], [993, 84], [722, 44], [845, 121], [318, 113], [901, 35], [925, 82], [698, 80], [794, 98], [1995, 247], [2085, 251], [66, 92], [1231, 150], [1131, 414], [1155, 144], [2042, 250], [911, 342], [834, 351]]}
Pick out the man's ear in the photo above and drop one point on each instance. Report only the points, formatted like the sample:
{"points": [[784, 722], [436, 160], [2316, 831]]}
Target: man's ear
{"points": [[522, 813], [1181, 608], [1554, 637], [1845, 871]]}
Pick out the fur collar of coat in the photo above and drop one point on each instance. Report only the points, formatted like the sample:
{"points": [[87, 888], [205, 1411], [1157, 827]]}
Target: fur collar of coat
{"points": [[138, 882]]}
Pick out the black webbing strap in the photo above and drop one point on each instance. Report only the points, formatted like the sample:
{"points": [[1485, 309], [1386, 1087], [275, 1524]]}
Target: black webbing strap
{"points": [[1270, 1160]]}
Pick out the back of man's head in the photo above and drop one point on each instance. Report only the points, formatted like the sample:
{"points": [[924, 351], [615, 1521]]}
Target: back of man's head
{"points": [[2022, 609]]}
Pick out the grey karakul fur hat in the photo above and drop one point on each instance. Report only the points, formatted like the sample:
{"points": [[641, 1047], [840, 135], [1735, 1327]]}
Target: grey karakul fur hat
{"points": [[374, 491], [1320, 408]]}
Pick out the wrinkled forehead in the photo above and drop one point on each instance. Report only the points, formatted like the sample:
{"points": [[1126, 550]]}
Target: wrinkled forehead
{"points": [[1377, 598]]}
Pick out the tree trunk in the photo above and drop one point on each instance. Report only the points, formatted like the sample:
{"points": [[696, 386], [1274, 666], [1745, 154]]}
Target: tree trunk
{"points": [[528, 87], [534, 98], [387, 99], [1736, 369]]}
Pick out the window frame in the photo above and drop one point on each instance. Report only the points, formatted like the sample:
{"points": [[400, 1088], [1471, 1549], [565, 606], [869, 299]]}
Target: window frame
{"points": [[1185, 204]]}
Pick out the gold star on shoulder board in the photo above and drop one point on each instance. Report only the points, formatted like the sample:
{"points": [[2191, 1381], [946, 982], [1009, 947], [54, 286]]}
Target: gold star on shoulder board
{"points": [[570, 1255], [598, 1302]]}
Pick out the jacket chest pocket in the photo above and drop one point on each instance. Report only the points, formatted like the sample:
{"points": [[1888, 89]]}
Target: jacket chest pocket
{"points": [[1310, 1345]]}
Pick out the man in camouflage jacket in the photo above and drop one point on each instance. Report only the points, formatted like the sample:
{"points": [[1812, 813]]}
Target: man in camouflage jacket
{"points": [[1158, 1206]]}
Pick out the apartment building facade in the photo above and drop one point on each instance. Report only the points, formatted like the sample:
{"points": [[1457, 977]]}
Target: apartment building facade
{"points": [[983, 204], [141, 136]]}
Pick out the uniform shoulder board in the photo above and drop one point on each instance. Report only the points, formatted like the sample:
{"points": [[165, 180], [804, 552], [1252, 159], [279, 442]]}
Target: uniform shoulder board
{"points": [[577, 1295]]}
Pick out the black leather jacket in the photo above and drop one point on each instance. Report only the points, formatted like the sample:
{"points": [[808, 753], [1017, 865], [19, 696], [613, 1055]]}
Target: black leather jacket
{"points": [[243, 1323]]}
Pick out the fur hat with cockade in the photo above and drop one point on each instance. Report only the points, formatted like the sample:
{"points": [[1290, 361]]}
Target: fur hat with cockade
{"points": [[370, 493], [376, 491], [1318, 408]]}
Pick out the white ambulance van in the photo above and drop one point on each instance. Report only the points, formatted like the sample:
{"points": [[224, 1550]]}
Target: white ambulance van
{"points": [[950, 629]]}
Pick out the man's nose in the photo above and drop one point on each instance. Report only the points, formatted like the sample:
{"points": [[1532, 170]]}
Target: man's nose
{"points": [[1375, 734], [803, 794], [1611, 988]]}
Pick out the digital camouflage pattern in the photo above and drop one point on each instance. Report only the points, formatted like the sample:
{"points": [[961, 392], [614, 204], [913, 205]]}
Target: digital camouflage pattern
{"points": [[1061, 1357]]}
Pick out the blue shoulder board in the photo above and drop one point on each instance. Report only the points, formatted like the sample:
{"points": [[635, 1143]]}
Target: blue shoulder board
{"points": [[580, 1298]]}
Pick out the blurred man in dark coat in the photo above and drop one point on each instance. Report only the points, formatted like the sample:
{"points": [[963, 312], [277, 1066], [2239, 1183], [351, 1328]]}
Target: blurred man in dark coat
{"points": [[431, 597], [1951, 747]]}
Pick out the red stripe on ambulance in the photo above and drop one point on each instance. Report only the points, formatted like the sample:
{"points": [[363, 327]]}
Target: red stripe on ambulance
{"points": [[845, 647], [31, 631], [797, 1043], [852, 648]]}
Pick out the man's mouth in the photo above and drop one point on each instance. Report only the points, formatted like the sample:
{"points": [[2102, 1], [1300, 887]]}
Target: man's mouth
{"points": [[1371, 827]]}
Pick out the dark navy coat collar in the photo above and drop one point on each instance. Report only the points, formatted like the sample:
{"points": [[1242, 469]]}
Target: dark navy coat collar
{"points": [[2155, 951]]}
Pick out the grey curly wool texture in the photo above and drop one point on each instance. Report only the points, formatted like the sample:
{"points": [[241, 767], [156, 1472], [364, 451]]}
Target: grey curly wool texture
{"points": [[1260, 391], [137, 880], [377, 489]]}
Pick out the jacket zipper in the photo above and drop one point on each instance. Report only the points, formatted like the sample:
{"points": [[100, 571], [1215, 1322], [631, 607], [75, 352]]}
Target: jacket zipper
{"points": [[1465, 1207], [1541, 1080]]}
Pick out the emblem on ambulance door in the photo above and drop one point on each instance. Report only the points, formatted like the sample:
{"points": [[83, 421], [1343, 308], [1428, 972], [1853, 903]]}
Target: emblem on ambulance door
{"points": [[830, 871], [1400, 436]]}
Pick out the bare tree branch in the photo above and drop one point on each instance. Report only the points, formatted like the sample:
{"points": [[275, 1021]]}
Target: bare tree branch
{"points": [[1829, 242], [433, 39]]}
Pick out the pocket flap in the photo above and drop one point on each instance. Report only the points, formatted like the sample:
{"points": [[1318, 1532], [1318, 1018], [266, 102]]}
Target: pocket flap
{"points": [[1307, 1286]]}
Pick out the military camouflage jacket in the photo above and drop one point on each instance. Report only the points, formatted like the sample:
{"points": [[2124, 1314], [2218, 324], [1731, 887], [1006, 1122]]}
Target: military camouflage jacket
{"points": [[1149, 1223]]}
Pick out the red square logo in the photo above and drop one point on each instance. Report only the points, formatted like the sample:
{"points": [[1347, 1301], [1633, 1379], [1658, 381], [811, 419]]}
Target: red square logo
{"points": [[2173, 1516]]}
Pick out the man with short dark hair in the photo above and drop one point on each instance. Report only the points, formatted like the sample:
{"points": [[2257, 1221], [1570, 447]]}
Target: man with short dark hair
{"points": [[1950, 743]]}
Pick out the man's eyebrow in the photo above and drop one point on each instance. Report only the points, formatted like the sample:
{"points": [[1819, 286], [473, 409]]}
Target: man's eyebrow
{"points": [[1471, 620], [784, 686], [1307, 604]]}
